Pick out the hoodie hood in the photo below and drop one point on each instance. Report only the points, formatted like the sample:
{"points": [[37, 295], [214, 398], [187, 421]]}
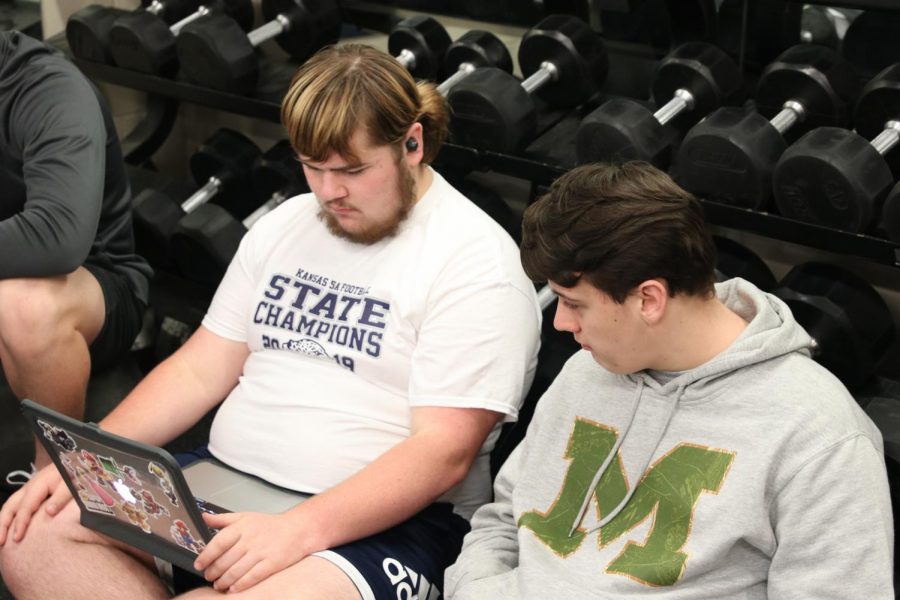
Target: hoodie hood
{"points": [[771, 332]]}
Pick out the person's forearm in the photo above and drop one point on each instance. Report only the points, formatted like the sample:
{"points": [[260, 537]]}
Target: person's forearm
{"points": [[156, 412], [177, 393]]}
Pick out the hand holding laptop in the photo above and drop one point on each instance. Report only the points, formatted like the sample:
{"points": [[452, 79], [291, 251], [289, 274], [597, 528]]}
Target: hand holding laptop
{"points": [[46, 489], [264, 544]]}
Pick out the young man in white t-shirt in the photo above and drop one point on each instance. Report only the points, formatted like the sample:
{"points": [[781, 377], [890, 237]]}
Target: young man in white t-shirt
{"points": [[368, 339]]}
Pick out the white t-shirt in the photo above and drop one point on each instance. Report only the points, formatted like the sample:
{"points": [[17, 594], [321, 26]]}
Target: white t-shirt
{"points": [[345, 338]]}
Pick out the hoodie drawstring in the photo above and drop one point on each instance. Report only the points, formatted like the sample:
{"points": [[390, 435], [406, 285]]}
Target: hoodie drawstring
{"points": [[609, 459], [596, 480]]}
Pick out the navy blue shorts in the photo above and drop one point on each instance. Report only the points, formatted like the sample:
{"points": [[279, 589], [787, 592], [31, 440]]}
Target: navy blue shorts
{"points": [[405, 561]]}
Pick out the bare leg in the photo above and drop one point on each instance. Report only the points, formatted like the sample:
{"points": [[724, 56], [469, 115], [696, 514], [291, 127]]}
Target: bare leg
{"points": [[58, 558], [312, 578], [46, 325]]}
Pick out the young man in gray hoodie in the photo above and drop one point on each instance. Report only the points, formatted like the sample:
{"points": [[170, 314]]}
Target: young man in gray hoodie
{"points": [[693, 449]]}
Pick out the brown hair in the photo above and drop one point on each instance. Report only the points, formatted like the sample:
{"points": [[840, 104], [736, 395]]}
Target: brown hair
{"points": [[617, 226], [344, 87]]}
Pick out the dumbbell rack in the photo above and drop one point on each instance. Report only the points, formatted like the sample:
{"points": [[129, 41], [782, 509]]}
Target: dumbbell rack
{"points": [[541, 162]]}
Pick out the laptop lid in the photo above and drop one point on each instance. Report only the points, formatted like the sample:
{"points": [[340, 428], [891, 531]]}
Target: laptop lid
{"points": [[127, 490]]}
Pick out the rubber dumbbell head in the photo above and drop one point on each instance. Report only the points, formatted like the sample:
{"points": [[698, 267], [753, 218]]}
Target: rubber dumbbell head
{"points": [[575, 54], [837, 178], [832, 177], [564, 62], [87, 32], [278, 170], [817, 26], [205, 240], [733, 259], [221, 166], [849, 321], [871, 42], [473, 50], [216, 53], [729, 156], [90, 31], [144, 42], [689, 82], [879, 103], [419, 43]]}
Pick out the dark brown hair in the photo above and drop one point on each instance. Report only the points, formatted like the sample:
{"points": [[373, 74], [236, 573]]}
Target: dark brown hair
{"points": [[617, 226], [345, 87]]}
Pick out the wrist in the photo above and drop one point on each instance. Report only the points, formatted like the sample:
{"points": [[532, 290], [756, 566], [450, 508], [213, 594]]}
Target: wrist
{"points": [[309, 527]]}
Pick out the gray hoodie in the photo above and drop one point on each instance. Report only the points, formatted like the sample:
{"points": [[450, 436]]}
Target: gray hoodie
{"points": [[754, 475]]}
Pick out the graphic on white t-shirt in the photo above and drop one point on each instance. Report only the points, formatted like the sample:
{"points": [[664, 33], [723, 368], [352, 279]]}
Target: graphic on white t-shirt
{"points": [[336, 319]]}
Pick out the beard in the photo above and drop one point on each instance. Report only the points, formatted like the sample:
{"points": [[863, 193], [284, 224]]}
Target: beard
{"points": [[375, 232]]}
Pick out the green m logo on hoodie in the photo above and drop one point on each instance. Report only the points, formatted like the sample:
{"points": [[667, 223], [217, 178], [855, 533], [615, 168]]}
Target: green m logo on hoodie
{"points": [[671, 488]]}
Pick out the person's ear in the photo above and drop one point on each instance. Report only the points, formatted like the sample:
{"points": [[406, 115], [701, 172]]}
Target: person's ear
{"points": [[653, 295]]}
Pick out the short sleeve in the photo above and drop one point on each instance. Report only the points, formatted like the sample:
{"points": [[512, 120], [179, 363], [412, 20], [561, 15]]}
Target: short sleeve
{"points": [[229, 311], [477, 348]]}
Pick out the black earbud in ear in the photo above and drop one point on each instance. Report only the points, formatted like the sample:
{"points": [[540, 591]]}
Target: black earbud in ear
{"points": [[412, 145]]}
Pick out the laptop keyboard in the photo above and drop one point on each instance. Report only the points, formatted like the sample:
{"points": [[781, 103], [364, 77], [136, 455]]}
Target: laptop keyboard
{"points": [[210, 508]]}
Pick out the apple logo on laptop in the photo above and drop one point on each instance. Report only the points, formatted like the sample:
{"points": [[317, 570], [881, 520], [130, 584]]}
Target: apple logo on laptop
{"points": [[124, 492]]}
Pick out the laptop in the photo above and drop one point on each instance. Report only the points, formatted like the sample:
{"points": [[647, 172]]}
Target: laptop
{"points": [[138, 494]]}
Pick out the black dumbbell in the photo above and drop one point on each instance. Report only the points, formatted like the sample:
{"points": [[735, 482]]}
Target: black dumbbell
{"points": [[206, 239], [473, 50], [733, 259], [847, 318], [419, 44], [89, 29], [222, 166], [835, 177], [145, 43], [818, 26], [564, 62], [216, 53], [689, 82], [729, 156], [871, 42]]}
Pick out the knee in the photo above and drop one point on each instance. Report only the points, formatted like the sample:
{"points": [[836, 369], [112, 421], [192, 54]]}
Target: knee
{"points": [[45, 539], [17, 559], [11, 563], [30, 315]]}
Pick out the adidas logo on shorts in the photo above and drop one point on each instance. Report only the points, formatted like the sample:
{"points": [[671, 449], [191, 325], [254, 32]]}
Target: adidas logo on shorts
{"points": [[408, 584]]}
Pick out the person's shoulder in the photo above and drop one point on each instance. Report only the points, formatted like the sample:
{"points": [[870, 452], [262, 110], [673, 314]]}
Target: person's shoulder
{"points": [[581, 372], [468, 221], [39, 64], [798, 390], [460, 232], [45, 85]]}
